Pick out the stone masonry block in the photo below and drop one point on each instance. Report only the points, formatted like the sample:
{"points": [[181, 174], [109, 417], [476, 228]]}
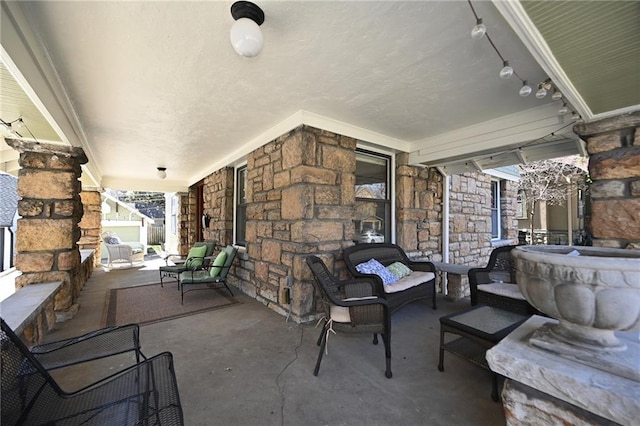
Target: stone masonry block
{"points": [[68, 208], [281, 179], [635, 188], [309, 174], [619, 164], [30, 207], [604, 142], [68, 260], [616, 219], [607, 189], [271, 251], [34, 262], [44, 184], [297, 202], [338, 158], [60, 234], [91, 198], [327, 195], [316, 231]]}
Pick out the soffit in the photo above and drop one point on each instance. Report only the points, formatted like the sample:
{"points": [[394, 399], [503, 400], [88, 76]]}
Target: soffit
{"points": [[597, 43]]}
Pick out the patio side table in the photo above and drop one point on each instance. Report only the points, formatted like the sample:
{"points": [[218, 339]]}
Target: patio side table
{"points": [[480, 328]]}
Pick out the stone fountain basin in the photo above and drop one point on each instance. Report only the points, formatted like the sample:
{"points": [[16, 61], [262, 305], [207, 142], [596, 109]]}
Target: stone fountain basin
{"points": [[593, 292]]}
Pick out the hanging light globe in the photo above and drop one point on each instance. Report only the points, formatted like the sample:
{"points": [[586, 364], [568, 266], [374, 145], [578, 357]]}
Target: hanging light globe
{"points": [[506, 70], [479, 30], [525, 90]]}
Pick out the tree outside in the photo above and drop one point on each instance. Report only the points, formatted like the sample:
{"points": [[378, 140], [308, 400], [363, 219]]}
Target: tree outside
{"points": [[551, 181]]}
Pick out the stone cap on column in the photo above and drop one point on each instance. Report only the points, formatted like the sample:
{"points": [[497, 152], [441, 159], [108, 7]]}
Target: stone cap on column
{"points": [[22, 146]]}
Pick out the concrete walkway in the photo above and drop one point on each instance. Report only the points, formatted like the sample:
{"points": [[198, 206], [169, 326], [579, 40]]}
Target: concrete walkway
{"points": [[245, 365]]}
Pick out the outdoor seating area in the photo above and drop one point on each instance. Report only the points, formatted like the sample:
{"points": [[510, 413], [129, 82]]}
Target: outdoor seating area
{"points": [[261, 370]]}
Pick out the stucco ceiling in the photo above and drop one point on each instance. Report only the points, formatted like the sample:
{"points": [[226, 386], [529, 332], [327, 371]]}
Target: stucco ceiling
{"points": [[145, 84]]}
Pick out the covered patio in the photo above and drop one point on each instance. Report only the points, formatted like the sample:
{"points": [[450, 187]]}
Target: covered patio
{"points": [[246, 365]]}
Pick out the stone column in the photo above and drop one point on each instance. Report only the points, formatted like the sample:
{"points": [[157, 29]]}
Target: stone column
{"points": [[614, 166], [91, 224], [50, 211]]}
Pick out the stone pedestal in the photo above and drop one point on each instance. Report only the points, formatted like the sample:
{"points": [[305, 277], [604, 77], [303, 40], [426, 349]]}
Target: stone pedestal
{"points": [[542, 385]]}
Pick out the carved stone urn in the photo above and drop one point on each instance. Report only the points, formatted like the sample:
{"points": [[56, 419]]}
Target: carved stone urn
{"points": [[592, 291]]}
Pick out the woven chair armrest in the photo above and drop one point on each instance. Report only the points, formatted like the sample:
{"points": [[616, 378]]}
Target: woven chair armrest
{"points": [[367, 300], [479, 276], [376, 282], [423, 266], [91, 346]]}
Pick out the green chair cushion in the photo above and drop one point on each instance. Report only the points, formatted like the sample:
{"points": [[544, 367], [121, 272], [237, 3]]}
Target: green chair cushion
{"points": [[195, 258], [218, 263]]}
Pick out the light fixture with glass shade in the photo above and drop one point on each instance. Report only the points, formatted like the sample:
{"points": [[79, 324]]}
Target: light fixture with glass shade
{"points": [[162, 172], [541, 93], [557, 95], [525, 90], [564, 109], [246, 36], [506, 70], [479, 30]]}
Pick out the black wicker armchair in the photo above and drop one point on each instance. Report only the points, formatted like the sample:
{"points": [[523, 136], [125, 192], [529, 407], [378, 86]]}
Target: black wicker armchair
{"points": [[495, 284], [145, 393], [351, 306]]}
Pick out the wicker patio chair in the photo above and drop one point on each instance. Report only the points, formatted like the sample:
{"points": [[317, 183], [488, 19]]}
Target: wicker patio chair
{"points": [[180, 263], [122, 253], [145, 393], [213, 276], [495, 284], [351, 306]]}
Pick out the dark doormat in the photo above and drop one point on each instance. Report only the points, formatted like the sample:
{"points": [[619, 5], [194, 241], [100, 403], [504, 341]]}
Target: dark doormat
{"points": [[151, 303]]}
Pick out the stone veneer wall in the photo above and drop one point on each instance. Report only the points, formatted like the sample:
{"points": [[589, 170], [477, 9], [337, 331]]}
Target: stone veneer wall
{"points": [[91, 224], [186, 229], [218, 203], [470, 217], [418, 209], [614, 166]]}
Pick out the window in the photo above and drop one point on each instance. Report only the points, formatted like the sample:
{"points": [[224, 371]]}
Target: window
{"points": [[174, 215], [373, 197], [241, 206], [495, 210]]}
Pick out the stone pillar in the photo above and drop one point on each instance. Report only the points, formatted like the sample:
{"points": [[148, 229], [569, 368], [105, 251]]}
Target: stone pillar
{"points": [[50, 211], [418, 209], [218, 203], [614, 166], [91, 223]]}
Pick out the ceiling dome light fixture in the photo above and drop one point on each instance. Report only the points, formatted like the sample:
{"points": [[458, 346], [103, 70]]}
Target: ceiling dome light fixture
{"points": [[162, 172], [479, 30], [506, 70], [246, 37], [525, 90]]}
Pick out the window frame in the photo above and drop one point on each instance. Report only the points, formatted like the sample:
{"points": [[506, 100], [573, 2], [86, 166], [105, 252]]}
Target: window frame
{"points": [[495, 209], [389, 201], [238, 207]]}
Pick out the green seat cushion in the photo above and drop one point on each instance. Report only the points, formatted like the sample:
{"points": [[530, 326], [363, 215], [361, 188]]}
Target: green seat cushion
{"points": [[195, 258], [218, 263], [399, 269]]}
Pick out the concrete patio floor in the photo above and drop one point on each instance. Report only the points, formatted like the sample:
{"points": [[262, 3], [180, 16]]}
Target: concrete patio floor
{"points": [[245, 365]]}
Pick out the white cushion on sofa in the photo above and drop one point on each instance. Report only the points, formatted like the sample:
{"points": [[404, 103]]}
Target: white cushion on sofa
{"points": [[416, 278], [502, 289]]}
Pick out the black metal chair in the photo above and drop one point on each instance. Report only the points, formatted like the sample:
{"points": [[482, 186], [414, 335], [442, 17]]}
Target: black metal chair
{"points": [[185, 263], [213, 276], [146, 393], [351, 306]]}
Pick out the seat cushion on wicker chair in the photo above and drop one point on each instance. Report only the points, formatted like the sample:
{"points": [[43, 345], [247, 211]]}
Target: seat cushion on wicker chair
{"points": [[341, 313], [502, 289], [416, 278]]}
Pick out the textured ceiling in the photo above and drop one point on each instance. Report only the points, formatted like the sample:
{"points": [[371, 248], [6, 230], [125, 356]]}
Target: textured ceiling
{"points": [[148, 84]]}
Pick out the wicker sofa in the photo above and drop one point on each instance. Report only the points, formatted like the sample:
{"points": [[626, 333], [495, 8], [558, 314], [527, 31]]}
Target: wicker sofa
{"points": [[420, 284]]}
